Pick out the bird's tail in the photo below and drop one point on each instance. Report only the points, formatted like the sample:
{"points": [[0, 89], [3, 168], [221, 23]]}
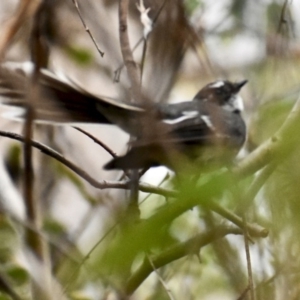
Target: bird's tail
{"points": [[59, 100]]}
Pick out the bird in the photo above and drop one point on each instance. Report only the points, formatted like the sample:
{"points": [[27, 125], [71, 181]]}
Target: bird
{"points": [[208, 128]]}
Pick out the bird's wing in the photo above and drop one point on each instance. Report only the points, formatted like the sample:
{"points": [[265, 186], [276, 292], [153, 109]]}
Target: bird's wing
{"points": [[220, 128], [192, 122]]}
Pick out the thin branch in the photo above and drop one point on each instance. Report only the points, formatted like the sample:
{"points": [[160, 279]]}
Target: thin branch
{"points": [[143, 58], [192, 246], [160, 278], [87, 28], [258, 182], [253, 229], [144, 187], [31, 205], [38, 50], [97, 141], [131, 66], [282, 19], [25, 9], [133, 209], [244, 294], [158, 185], [100, 143], [248, 259], [117, 72]]}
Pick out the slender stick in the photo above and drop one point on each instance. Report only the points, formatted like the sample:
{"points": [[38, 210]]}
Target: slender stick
{"points": [[248, 258], [87, 28], [97, 141], [131, 66], [25, 9]]}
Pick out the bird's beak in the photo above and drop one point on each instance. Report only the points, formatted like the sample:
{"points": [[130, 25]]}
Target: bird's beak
{"points": [[240, 84]]}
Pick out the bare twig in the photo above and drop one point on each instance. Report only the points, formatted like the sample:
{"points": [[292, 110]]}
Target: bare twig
{"points": [[32, 212], [87, 28], [97, 141], [282, 19], [26, 8], [100, 143], [133, 207], [160, 278], [244, 293], [248, 259], [143, 58], [135, 80], [41, 289], [117, 72], [131, 66], [31, 205]]}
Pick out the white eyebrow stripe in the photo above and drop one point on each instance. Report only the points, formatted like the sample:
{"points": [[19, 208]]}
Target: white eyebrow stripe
{"points": [[186, 115], [217, 84], [207, 121]]}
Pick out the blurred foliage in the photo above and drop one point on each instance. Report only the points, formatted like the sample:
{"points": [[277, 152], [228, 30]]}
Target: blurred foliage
{"points": [[191, 5], [9, 239], [13, 161], [79, 55], [185, 49], [18, 275]]}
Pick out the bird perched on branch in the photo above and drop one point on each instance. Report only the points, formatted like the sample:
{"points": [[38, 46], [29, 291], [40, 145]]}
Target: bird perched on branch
{"points": [[208, 128]]}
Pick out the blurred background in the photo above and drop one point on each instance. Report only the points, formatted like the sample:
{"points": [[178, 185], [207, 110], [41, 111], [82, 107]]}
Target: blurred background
{"points": [[193, 42]]}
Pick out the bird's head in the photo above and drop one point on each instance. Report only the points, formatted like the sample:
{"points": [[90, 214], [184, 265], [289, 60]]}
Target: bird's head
{"points": [[223, 93]]}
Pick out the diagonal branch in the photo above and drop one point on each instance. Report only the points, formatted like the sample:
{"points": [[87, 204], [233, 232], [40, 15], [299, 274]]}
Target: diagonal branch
{"points": [[104, 184], [192, 246], [26, 8], [276, 147], [97, 141], [87, 28]]}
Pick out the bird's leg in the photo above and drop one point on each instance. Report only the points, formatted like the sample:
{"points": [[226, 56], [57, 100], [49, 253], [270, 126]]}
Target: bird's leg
{"points": [[133, 208]]}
